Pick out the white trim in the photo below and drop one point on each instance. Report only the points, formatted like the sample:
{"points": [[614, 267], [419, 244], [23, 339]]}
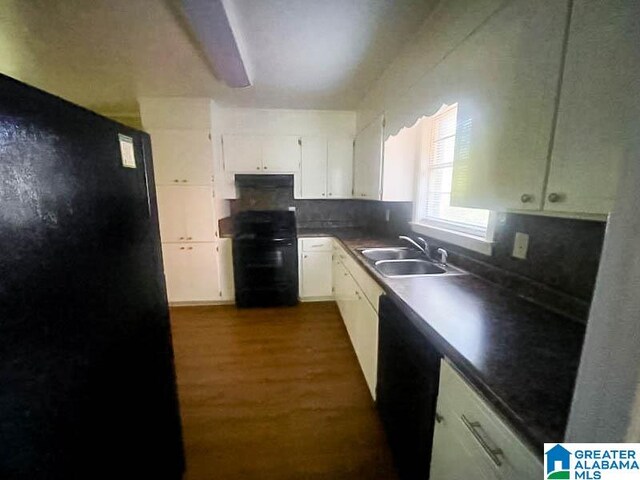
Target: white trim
{"points": [[470, 242]]}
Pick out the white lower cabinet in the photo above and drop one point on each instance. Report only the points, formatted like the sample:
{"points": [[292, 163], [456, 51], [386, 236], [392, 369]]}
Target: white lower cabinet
{"points": [[358, 302], [314, 268], [225, 269], [191, 272], [471, 441], [367, 341]]}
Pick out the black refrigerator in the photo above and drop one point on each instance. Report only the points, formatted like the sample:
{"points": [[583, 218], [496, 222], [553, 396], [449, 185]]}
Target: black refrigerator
{"points": [[87, 383]]}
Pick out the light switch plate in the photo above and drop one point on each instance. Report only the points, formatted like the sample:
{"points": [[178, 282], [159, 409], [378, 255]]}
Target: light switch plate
{"points": [[520, 245]]}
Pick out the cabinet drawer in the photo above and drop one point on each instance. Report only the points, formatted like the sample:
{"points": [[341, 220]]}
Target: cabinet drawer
{"points": [[468, 414], [368, 285], [322, 244]]}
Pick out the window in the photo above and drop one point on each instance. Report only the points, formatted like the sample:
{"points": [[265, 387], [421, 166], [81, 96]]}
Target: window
{"points": [[434, 214]]}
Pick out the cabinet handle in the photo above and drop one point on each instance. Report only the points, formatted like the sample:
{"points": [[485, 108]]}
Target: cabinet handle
{"points": [[176, 180], [323, 194], [257, 168], [362, 194], [184, 181], [264, 168], [190, 248], [181, 238], [181, 248], [493, 453], [189, 238], [554, 197], [526, 198], [439, 418], [304, 256]]}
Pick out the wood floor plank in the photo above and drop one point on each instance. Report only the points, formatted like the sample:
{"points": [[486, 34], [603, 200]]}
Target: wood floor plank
{"points": [[274, 393]]}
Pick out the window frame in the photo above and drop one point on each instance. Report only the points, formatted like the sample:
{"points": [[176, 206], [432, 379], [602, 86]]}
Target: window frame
{"points": [[463, 235]]}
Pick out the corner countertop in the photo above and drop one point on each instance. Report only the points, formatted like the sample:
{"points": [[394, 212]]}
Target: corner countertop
{"points": [[522, 357]]}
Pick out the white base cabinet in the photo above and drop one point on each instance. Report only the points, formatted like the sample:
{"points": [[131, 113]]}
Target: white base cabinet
{"points": [[225, 270], [314, 268], [471, 441], [191, 272], [357, 294]]}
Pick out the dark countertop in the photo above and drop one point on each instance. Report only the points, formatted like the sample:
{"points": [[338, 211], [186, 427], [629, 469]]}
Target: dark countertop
{"points": [[522, 357]]}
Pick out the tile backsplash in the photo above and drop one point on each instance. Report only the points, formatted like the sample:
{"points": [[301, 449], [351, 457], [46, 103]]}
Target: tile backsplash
{"points": [[562, 258]]}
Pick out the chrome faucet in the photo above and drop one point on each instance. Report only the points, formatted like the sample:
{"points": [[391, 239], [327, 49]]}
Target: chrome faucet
{"points": [[424, 250], [443, 256]]}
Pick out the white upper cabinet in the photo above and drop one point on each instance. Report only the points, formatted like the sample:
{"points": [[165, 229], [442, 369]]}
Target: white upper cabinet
{"points": [[339, 167], [313, 169], [186, 214], [281, 153], [384, 170], [505, 81], [242, 153], [261, 153], [326, 170], [183, 157], [368, 161], [401, 153], [599, 108]]}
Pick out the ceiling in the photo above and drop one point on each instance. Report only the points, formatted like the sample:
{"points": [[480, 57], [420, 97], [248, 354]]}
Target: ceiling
{"points": [[104, 54]]}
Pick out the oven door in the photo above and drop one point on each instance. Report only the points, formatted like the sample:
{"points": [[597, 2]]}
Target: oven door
{"points": [[265, 272]]}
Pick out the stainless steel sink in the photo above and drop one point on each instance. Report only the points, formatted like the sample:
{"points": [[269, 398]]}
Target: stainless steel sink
{"points": [[399, 253], [403, 268], [398, 262]]}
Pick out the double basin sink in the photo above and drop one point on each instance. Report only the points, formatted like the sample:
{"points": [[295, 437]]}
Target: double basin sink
{"points": [[405, 262]]}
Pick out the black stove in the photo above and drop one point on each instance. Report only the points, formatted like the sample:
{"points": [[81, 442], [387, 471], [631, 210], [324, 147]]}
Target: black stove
{"points": [[265, 258]]}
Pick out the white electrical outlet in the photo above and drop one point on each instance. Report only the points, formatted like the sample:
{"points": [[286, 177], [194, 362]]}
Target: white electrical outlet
{"points": [[520, 245]]}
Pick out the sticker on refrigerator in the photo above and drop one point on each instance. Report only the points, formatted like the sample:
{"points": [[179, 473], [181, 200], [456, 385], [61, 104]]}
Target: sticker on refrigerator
{"points": [[126, 151]]}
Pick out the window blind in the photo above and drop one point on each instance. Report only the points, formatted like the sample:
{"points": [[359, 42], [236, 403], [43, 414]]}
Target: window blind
{"points": [[437, 209]]}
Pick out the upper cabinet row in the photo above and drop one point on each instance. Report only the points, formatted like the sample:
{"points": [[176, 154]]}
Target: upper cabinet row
{"points": [[322, 165], [261, 153], [549, 138], [541, 126]]}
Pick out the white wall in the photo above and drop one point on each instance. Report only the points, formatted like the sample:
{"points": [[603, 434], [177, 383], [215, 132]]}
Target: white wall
{"points": [[606, 403], [444, 30], [275, 122]]}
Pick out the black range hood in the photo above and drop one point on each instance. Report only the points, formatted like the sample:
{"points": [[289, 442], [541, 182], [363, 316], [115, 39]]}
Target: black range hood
{"points": [[264, 181]]}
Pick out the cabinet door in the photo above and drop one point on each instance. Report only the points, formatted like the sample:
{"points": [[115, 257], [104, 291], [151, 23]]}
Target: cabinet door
{"points": [[182, 157], [225, 269], [454, 456], [202, 272], [599, 108], [280, 153], [313, 168], [352, 294], [316, 274], [339, 167], [175, 258], [171, 213], [505, 82], [199, 214], [367, 348], [242, 153], [368, 161]]}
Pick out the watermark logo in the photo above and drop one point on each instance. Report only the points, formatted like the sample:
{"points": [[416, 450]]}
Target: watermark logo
{"points": [[591, 461]]}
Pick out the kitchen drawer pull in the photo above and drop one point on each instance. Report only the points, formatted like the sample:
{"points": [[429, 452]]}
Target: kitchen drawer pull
{"points": [[493, 453]]}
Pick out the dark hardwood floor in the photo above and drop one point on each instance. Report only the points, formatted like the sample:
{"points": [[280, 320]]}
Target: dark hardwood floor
{"points": [[274, 393]]}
